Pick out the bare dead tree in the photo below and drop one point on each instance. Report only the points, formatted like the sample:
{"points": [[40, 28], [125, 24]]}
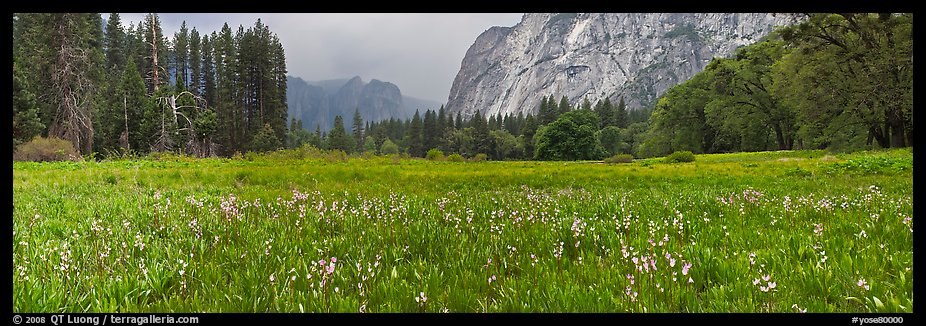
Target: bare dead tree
{"points": [[195, 145], [72, 86]]}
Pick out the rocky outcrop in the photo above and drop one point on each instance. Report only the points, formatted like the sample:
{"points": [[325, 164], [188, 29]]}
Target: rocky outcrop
{"points": [[638, 56]]}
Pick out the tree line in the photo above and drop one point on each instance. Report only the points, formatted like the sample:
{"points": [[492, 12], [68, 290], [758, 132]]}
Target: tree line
{"points": [[116, 89], [551, 134]]}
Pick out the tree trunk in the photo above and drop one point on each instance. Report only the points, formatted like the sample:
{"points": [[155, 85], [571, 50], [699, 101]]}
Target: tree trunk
{"points": [[897, 133], [779, 135]]}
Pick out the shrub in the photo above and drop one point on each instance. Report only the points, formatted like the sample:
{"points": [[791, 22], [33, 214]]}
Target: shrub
{"points": [[479, 157], [388, 147], [41, 149], [619, 158], [434, 154], [680, 156], [456, 158], [337, 155]]}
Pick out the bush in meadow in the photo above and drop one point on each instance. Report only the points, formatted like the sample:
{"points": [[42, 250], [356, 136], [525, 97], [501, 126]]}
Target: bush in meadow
{"points": [[619, 158], [435, 154], [41, 149], [680, 157]]}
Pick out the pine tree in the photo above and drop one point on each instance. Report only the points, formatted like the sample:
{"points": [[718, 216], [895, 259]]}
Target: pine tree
{"points": [[338, 138], [115, 44], [195, 85], [413, 137], [564, 106], [441, 120], [430, 134], [181, 56], [26, 122], [620, 115], [605, 113], [357, 129], [482, 143], [459, 121]]}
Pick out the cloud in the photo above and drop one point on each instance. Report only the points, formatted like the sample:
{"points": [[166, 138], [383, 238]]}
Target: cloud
{"points": [[421, 53]]}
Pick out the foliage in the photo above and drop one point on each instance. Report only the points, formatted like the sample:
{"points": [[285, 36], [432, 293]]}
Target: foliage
{"points": [[680, 157], [435, 154], [571, 137], [619, 158], [456, 158], [41, 149], [389, 148]]}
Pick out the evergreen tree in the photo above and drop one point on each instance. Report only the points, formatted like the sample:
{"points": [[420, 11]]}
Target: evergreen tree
{"points": [[195, 62], [357, 129], [441, 121], [26, 122], [181, 56], [620, 115], [413, 138], [115, 44], [338, 139], [482, 142], [458, 124], [430, 133], [563, 106]]}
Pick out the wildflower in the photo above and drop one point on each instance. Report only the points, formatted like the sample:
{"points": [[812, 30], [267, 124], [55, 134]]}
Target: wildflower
{"points": [[771, 285], [863, 284], [421, 298], [755, 282], [272, 278], [363, 308], [794, 306], [685, 268], [690, 280]]}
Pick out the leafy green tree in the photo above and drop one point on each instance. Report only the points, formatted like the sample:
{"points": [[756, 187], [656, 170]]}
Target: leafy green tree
{"points": [[852, 69], [506, 145], [610, 138], [369, 145], [527, 135], [571, 137], [389, 147]]}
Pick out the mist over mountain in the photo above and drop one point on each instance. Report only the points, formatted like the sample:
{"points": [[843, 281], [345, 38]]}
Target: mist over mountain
{"points": [[316, 103]]}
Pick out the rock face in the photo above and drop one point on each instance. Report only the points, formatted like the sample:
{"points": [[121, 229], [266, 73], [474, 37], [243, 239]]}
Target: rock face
{"points": [[317, 103], [638, 56]]}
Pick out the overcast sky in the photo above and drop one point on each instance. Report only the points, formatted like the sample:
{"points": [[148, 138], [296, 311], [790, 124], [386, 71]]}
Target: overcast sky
{"points": [[420, 53]]}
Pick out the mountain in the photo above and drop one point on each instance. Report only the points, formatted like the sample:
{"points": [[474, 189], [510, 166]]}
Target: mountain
{"points": [[316, 103], [637, 55]]}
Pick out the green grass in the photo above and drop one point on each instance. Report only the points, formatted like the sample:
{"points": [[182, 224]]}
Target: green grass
{"points": [[115, 236]]}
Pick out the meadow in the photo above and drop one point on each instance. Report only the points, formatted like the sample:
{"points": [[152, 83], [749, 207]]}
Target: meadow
{"points": [[797, 231]]}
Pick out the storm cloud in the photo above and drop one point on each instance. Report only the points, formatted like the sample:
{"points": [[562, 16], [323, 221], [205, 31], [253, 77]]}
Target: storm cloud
{"points": [[421, 53]]}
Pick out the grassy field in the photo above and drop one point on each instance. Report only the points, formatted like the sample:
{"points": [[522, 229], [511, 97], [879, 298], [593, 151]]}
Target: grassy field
{"points": [[752, 232]]}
